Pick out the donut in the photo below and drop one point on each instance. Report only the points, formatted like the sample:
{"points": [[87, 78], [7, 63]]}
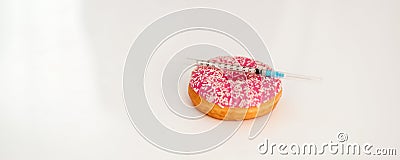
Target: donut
{"points": [[227, 94]]}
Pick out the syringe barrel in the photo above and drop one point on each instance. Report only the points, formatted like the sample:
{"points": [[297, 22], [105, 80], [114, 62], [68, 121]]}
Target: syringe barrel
{"points": [[260, 71]]}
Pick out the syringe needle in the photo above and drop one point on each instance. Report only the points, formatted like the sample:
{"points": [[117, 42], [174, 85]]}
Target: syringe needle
{"points": [[298, 76]]}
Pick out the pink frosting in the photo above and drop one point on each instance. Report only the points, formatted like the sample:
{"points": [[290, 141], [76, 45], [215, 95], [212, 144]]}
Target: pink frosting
{"points": [[233, 88]]}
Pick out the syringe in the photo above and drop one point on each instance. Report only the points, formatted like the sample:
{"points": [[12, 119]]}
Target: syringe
{"points": [[261, 71]]}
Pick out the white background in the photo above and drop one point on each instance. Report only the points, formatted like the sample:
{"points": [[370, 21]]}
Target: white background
{"points": [[61, 67]]}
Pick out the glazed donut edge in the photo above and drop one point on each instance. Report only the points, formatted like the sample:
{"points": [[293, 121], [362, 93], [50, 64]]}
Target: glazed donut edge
{"points": [[232, 113]]}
